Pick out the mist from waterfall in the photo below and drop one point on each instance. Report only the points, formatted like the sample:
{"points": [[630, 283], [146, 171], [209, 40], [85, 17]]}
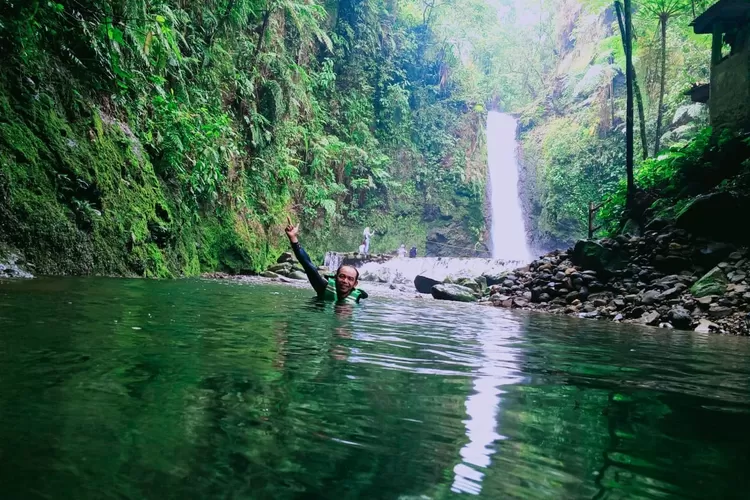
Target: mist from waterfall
{"points": [[508, 235]]}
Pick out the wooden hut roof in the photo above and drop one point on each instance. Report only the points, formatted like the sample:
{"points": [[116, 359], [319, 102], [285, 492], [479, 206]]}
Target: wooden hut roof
{"points": [[726, 13]]}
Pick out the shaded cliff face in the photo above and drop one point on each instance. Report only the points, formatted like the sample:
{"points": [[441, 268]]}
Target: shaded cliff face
{"points": [[540, 242]]}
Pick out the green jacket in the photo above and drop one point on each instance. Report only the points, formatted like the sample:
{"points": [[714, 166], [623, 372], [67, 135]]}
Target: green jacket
{"points": [[331, 295]]}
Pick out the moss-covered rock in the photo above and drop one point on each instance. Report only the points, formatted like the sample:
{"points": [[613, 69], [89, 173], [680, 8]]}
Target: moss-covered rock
{"points": [[471, 284], [453, 292], [712, 283]]}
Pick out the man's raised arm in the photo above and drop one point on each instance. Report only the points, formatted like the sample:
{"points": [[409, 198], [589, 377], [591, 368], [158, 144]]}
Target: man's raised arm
{"points": [[318, 282]]}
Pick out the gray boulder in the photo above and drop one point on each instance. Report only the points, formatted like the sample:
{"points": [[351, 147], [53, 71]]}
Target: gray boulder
{"points": [[650, 318], [680, 318], [651, 297], [705, 326], [424, 284], [717, 312], [689, 114]]}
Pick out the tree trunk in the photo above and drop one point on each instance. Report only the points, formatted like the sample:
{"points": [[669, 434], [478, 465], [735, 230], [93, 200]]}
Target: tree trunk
{"points": [[629, 108], [636, 87], [662, 84], [641, 114]]}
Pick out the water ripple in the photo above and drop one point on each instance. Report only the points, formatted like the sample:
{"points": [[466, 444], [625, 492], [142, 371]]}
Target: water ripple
{"points": [[196, 389]]}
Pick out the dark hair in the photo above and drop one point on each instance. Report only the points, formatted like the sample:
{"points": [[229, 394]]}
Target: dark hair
{"points": [[347, 265]]}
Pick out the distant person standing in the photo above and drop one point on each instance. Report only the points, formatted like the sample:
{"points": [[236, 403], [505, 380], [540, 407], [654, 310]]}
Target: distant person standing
{"points": [[401, 251], [362, 247], [413, 252], [367, 234]]}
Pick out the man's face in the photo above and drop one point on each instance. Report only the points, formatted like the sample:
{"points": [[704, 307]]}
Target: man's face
{"points": [[346, 281]]}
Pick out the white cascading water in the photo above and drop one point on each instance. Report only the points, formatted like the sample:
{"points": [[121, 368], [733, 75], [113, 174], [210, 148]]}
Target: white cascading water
{"points": [[404, 270], [508, 234]]}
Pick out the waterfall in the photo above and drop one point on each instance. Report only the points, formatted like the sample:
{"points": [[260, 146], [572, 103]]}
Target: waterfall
{"points": [[508, 234]]}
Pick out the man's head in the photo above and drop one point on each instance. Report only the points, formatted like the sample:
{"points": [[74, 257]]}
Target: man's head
{"points": [[347, 278]]}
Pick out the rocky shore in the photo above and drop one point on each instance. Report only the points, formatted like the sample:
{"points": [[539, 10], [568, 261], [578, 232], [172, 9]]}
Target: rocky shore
{"points": [[666, 278]]}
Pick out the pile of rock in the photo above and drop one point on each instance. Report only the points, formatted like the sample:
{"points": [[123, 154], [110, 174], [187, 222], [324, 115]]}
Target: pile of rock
{"points": [[666, 278], [287, 267]]}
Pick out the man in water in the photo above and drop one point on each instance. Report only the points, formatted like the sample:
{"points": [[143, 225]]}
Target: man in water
{"points": [[342, 288]]}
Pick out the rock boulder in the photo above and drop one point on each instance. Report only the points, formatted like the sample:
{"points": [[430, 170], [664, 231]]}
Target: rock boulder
{"points": [[424, 284], [455, 293], [712, 283]]}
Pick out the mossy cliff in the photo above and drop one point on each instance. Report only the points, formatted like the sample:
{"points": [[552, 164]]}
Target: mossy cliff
{"points": [[168, 138]]}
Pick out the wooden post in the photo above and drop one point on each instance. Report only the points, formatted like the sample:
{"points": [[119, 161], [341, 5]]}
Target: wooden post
{"points": [[593, 209]]}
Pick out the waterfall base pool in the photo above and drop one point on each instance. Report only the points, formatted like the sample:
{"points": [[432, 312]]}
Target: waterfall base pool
{"points": [[115, 388]]}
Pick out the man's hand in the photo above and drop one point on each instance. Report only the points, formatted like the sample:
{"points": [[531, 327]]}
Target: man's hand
{"points": [[292, 231]]}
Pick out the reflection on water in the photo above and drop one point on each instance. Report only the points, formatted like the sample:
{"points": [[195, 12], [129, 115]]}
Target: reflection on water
{"points": [[497, 368], [197, 389]]}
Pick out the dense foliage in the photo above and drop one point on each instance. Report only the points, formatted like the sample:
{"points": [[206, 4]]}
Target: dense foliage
{"points": [[165, 137], [712, 160]]}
